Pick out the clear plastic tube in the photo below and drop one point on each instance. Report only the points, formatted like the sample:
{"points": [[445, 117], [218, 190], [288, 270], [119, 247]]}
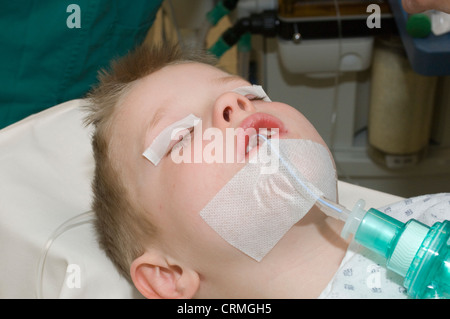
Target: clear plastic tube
{"points": [[327, 206], [81, 219]]}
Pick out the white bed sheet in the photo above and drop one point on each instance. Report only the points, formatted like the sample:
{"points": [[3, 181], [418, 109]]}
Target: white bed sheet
{"points": [[46, 167]]}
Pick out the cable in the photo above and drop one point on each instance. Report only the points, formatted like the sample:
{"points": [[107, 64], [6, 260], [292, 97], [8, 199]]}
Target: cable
{"points": [[81, 219], [336, 79], [265, 23], [333, 120], [222, 8]]}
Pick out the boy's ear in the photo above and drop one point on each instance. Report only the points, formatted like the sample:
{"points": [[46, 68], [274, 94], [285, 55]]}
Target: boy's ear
{"points": [[157, 278]]}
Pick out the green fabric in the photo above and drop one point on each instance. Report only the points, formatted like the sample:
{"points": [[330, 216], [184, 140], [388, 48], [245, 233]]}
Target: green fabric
{"points": [[44, 62]]}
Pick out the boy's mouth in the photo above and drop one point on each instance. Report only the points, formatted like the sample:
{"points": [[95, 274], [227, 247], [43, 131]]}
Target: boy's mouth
{"points": [[260, 124]]}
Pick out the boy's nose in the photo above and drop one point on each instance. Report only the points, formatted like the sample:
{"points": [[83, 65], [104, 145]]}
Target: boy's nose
{"points": [[231, 108]]}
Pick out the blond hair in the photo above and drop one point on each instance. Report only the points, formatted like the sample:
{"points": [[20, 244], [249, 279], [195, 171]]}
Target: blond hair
{"points": [[122, 227]]}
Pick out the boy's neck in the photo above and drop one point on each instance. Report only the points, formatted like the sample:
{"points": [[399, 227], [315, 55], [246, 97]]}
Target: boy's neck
{"points": [[310, 270]]}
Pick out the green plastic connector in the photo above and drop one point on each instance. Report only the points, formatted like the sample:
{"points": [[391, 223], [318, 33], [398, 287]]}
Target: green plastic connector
{"points": [[415, 251], [217, 13], [418, 25], [219, 48]]}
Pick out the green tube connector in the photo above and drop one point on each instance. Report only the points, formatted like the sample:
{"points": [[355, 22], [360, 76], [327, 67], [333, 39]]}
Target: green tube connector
{"points": [[415, 251], [217, 13], [245, 42], [429, 273], [219, 48], [418, 25]]}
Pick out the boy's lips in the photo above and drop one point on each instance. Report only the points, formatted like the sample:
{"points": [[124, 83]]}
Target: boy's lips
{"points": [[252, 125]]}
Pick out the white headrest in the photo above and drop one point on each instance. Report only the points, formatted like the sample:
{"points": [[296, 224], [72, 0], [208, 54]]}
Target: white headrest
{"points": [[46, 167]]}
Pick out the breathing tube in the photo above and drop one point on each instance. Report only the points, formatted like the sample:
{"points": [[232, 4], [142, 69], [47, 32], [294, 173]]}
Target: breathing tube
{"points": [[78, 220], [417, 252]]}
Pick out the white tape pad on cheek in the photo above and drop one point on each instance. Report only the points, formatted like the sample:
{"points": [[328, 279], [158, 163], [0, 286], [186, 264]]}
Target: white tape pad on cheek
{"points": [[253, 211], [158, 148]]}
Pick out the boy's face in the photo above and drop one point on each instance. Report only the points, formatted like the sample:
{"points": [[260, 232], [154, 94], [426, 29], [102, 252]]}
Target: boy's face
{"points": [[172, 193]]}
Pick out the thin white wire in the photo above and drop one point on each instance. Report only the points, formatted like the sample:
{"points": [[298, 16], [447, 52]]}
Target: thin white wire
{"points": [[81, 219], [334, 116], [336, 80]]}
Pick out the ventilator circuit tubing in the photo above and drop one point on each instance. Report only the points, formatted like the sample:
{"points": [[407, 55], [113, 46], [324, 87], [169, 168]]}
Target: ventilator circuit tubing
{"points": [[420, 254], [330, 208], [81, 219]]}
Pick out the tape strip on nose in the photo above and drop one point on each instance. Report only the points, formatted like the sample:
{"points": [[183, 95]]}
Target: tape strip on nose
{"points": [[255, 90]]}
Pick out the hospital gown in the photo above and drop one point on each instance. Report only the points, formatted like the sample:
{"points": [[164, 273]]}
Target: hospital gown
{"points": [[362, 273]]}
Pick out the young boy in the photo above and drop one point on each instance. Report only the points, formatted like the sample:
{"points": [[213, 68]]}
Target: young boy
{"points": [[148, 217]]}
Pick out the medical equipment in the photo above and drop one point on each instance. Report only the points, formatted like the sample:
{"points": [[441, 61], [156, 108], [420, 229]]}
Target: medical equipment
{"points": [[428, 56], [328, 79], [265, 23], [418, 25], [440, 23], [415, 251], [400, 115], [421, 25], [320, 62]]}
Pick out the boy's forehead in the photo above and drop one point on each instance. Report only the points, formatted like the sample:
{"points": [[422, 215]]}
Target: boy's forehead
{"points": [[185, 71], [161, 85], [177, 81]]}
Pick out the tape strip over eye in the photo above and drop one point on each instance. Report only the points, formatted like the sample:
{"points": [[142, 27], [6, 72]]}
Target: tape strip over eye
{"points": [[256, 90], [158, 148]]}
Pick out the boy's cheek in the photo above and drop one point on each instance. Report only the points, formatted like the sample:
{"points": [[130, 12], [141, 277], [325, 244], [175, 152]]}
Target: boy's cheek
{"points": [[193, 185]]}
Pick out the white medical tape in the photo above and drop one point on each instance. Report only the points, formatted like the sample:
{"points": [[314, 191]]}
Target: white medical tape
{"points": [[158, 148], [253, 211], [256, 90]]}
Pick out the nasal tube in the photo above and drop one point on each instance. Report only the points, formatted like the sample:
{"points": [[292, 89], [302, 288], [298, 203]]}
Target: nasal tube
{"points": [[420, 254]]}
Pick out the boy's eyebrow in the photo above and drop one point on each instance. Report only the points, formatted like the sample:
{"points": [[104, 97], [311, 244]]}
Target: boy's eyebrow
{"points": [[159, 113], [156, 119], [228, 79]]}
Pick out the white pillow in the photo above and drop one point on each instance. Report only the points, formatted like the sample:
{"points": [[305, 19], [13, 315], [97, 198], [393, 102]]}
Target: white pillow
{"points": [[46, 166]]}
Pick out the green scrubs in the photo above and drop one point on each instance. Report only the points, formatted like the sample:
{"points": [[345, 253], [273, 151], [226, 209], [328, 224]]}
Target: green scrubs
{"points": [[51, 50]]}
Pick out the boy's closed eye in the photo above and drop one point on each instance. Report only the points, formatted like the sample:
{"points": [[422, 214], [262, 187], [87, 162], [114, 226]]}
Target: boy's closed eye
{"points": [[253, 93], [255, 97], [183, 137]]}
